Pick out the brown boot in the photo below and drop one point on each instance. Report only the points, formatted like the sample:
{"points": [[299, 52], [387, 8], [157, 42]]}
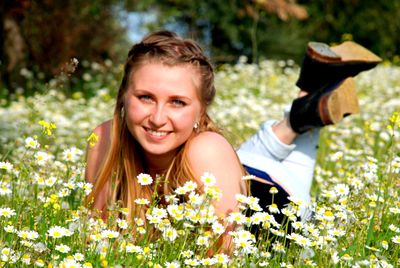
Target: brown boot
{"points": [[324, 66], [324, 107]]}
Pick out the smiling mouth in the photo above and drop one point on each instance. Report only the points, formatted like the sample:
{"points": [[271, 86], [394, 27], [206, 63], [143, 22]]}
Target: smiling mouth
{"points": [[156, 133]]}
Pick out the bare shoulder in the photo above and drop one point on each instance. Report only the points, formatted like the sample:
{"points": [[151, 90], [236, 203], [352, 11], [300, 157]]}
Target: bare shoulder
{"points": [[209, 141], [211, 152], [96, 153], [103, 133], [95, 156], [103, 130]]}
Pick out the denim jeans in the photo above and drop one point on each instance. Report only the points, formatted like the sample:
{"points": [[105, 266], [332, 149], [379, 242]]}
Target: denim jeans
{"points": [[289, 166]]}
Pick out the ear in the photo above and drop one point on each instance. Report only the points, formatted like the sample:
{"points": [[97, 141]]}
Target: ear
{"points": [[201, 115]]}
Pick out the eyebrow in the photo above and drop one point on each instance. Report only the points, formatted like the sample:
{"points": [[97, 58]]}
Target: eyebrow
{"points": [[179, 97], [144, 91]]}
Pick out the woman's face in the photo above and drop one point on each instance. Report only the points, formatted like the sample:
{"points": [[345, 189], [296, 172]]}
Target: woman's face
{"points": [[162, 105]]}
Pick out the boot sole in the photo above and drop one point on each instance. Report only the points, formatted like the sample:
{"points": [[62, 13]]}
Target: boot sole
{"points": [[324, 66], [339, 103], [346, 52]]}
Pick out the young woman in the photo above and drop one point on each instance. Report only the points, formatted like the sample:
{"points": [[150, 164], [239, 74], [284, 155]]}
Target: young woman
{"points": [[161, 127]]}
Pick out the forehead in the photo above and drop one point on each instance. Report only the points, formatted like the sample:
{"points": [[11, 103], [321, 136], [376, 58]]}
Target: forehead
{"points": [[158, 77]]}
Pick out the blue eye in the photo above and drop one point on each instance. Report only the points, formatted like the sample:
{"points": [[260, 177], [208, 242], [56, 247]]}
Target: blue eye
{"points": [[145, 98], [178, 103]]}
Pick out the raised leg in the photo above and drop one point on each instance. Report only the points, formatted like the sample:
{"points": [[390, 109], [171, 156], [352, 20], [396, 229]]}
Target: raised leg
{"points": [[283, 153], [290, 166]]}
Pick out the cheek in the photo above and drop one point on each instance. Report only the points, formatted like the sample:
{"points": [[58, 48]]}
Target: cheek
{"points": [[184, 120], [134, 114]]}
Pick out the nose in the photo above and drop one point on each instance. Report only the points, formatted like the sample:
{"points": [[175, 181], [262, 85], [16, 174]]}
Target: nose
{"points": [[158, 116]]}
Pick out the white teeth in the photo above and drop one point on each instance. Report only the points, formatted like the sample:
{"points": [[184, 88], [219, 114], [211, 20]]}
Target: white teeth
{"points": [[157, 133]]}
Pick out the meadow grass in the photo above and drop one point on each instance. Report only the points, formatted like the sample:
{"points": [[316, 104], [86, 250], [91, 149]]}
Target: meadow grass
{"points": [[356, 186]]}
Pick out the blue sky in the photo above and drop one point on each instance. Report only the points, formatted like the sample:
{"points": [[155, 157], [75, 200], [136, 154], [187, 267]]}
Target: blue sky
{"points": [[135, 24]]}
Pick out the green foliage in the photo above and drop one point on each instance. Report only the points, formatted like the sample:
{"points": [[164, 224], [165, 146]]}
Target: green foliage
{"points": [[374, 24], [232, 28], [54, 32], [57, 31], [229, 29], [51, 33]]}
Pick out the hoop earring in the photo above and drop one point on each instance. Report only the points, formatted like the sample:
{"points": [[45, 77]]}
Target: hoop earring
{"points": [[196, 126], [122, 112]]}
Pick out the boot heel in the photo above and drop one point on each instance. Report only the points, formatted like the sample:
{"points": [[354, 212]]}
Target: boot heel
{"points": [[339, 103], [322, 52]]}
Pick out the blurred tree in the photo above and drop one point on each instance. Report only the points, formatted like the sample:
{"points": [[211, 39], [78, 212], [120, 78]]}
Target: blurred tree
{"points": [[12, 44], [43, 35], [229, 28], [373, 23], [278, 28]]}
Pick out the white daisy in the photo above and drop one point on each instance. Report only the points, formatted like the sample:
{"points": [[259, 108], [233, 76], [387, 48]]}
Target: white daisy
{"points": [[173, 264], [7, 212], [58, 232], [31, 143], [131, 248], [144, 179], [63, 248], [170, 233], [396, 239], [42, 158], [72, 154], [123, 224], [342, 189], [218, 228], [5, 190], [79, 257], [26, 234], [10, 229], [109, 234], [208, 179], [6, 165], [190, 186], [142, 201]]}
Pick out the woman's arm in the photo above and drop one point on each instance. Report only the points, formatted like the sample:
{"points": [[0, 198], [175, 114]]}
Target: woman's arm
{"points": [[211, 152], [95, 156]]}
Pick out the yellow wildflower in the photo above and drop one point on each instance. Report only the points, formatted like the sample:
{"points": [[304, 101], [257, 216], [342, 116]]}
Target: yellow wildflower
{"points": [[47, 127], [92, 139]]}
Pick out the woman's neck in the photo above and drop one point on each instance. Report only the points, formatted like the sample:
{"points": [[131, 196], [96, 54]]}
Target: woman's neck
{"points": [[158, 164]]}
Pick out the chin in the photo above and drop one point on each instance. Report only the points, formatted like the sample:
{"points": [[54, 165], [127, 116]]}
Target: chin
{"points": [[157, 151]]}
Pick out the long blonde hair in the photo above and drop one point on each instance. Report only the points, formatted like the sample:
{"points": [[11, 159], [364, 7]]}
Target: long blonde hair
{"points": [[124, 160]]}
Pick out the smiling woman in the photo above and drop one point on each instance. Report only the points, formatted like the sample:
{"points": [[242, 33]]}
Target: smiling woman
{"points": [[162, 107], [161, 130]]}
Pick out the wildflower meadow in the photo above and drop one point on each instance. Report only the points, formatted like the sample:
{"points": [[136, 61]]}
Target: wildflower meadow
{"points": [[356, 190]]}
